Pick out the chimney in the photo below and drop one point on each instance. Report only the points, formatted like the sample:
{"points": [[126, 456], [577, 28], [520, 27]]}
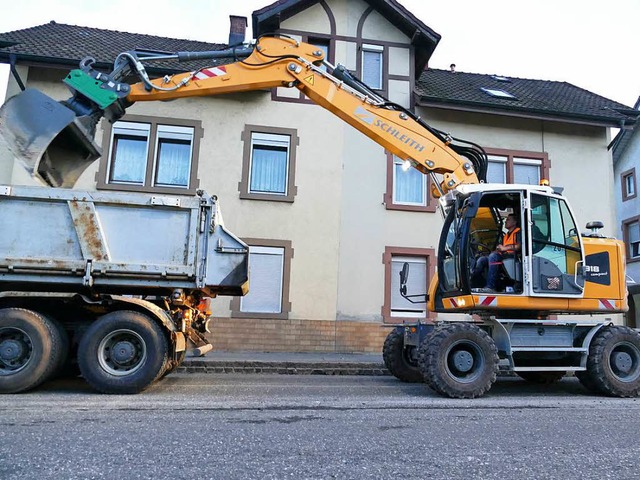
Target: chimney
{"points": [[452, 68], [237, 30]]}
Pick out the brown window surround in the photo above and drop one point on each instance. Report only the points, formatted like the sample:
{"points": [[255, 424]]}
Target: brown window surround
{"points": [[102, 177], [625, 237], [431, 205], [286, 281], [389, 252], [511, 154], [243, 186], [631, 173]]}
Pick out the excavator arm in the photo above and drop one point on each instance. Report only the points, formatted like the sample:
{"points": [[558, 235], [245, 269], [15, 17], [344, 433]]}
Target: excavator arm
{"points": [[273, 62]]}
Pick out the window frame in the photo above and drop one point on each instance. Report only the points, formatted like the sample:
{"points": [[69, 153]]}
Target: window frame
{"points": [[155, 123], [543, 157], [389, 197], [625, 237], [631, 173], [247, 158], [382, 50], [285, 303], [429, 255]]}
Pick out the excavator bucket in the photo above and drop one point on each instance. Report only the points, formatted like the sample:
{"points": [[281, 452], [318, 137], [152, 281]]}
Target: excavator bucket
{"points": [[52, 141]]}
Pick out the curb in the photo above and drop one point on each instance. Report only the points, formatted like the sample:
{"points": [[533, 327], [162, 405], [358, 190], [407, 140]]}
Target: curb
{"points": [[282, 368]]}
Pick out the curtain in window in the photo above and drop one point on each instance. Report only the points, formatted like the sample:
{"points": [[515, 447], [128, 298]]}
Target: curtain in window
{"points": [[174, 160], [526, 174], [268, 169], [129, 159], [372, 69], [409, 186], [496, 172]]}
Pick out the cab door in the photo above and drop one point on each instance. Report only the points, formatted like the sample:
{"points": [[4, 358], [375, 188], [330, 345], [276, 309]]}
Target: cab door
{"points": [[555, 251]]}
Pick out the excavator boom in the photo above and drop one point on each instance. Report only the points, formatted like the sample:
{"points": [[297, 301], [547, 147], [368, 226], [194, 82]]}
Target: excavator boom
{"points": [[60, 148]]}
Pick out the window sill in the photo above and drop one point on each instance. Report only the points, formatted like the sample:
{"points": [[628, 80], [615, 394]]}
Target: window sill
{"points": [[143, 189], [258, 316], [410, 208], [268, 198]]}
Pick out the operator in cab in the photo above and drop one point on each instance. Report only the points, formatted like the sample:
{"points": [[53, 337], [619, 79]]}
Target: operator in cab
{"points": [[510, 246]]}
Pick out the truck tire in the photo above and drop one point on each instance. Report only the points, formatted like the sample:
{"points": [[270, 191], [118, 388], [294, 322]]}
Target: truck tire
{"points": [[173, 364], [398, 358], [542, 378], [459, 360], [31, 349], [122, 352], [613, 364]]}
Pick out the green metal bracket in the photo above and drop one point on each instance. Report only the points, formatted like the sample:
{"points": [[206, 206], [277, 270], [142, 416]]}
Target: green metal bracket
{"points": [[90, 88]]}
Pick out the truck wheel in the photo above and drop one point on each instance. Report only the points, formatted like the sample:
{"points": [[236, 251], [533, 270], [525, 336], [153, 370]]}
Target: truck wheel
{"points": [[614, 361], [459, 360], [173, 364], [542, 378], [30, 349], [400, 360], [122, 352]]}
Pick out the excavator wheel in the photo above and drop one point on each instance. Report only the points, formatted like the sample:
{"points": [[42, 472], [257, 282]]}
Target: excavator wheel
{"points": [[400, 360], [542, 378], [459, 360], [613, 365]]}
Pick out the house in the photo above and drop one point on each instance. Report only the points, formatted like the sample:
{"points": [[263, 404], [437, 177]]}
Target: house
{"points": [[626, 168], [329, 215]]}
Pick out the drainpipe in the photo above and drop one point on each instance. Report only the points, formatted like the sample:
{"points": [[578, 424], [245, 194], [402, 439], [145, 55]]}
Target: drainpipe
{"points": [[14, 71]]}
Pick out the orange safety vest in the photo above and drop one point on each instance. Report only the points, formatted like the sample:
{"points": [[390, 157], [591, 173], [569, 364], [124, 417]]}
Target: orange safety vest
{"points": [[510, 237]]}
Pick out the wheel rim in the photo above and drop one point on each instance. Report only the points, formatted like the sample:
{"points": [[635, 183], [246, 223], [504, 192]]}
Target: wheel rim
{"points": [[625, 362], [464, 361], [16, 349], [410, 355], [122, 352]]}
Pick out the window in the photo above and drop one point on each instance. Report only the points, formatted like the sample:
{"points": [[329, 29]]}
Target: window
{"points": [[631, 235], [527, 168], [150, 154], [406, 190], [268, 164], [372, 66], [270, 265], [628, 184], [497, 93], [396, 308], [324, 45]]}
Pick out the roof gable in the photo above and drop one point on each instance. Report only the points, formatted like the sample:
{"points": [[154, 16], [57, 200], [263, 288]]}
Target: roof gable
{"points": [[267, 20]]}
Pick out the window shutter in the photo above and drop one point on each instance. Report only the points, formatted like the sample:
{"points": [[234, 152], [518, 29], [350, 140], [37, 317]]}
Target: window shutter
{"points": [[416, 285], [265, 280]]}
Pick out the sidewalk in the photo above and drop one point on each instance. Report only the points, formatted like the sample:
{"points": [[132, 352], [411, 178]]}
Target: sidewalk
{"points": [[286, 363]]}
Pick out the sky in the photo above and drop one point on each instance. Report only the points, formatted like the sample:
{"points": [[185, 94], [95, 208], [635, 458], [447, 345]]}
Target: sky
{"points": [[590, 43]]}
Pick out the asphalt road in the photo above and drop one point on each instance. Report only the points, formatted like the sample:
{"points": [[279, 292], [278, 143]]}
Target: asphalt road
{"points": [[278, 426]]}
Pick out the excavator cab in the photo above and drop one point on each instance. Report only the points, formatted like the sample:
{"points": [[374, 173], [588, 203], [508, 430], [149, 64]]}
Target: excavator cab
{"points": [[551, 253]]}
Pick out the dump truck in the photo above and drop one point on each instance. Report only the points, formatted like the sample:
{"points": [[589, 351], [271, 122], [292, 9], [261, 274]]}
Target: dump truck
{"points": [[557, 270], [118, 281]]}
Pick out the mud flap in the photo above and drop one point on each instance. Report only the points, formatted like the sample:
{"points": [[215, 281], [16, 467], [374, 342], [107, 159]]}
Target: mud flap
{"points": [[52, 142]]}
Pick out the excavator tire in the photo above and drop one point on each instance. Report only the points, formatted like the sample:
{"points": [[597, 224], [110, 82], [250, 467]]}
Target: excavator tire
{"points": [[542, 378], [613, 364], [398, 360], [459, 360], [587, 382]]}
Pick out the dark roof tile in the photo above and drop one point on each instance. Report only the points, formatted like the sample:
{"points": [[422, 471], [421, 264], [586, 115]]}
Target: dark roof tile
{"points": [[533, 97]]}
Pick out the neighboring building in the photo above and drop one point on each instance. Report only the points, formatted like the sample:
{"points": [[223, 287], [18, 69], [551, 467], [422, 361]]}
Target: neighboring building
{"points": [[328, 214], [626, 167]]}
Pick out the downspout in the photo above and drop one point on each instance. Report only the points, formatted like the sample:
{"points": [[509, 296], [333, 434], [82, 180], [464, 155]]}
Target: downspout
{"points": [[14, 71]]}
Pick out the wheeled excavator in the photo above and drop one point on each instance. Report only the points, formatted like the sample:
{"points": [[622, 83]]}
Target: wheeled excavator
{"points": [[558, 270]]}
